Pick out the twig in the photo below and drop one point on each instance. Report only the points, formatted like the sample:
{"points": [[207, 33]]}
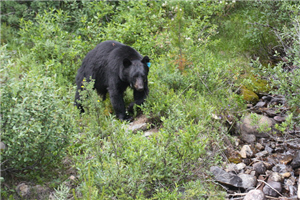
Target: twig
{"points": [[298, 193], [270, 197], [11, 13], [270, 187], [238, 198], [264, 25], [237, 194], [186, 89]]}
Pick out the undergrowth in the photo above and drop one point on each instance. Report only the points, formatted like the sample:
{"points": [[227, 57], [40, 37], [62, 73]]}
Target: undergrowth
{"points": [[198, 59]]}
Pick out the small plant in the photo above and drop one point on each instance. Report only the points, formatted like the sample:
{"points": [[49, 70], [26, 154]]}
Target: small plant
{"points": [[62, 192], [285, 126], [255, 121]]}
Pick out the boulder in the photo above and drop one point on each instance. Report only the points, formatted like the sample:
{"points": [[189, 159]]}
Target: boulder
{"points": [[259, 167], [254, 124], [296, 160], [226, 178], [272, 189], [248, 181]]}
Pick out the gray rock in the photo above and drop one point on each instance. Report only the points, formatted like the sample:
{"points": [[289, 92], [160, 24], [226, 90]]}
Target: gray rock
{"points": [[268, 165], [251, 125], [138, 127], [289, 186], [241, 166], [294, 144], [292, 191], [259, 146], [296, 160], [269, 149], [260, 104], [262, 154], [254, 173], [267, 98], [32, 192], [278, 100], [40, 192], [259, 167], [248, 138], [281, 168], [226, 178], [255, 195], [23, 190], [275, 176], [269, 191], [2, 146], [271, 112], [279, 118], [246, 152], [248, 181], [231, 167], [150, 132]]}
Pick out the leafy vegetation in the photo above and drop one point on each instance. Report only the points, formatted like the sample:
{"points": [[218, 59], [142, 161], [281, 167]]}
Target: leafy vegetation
{"points": [[199, 63]]}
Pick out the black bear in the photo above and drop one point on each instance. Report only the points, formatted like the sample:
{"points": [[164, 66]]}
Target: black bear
{"points": [[114, 67]]}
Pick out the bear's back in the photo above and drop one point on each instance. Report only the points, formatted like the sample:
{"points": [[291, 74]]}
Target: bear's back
{"points": [[106, 57], [118, 52]]}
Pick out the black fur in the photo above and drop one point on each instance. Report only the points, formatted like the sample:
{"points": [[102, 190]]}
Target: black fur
{"points": [[114, 67]]}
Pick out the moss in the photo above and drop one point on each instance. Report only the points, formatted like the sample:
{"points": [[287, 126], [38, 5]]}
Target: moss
{"points": [[248, 95], [257, 85]]}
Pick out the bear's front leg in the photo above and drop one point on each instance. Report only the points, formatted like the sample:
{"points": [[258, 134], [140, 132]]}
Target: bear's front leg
{"points": [[139, 98], [117, 101]]}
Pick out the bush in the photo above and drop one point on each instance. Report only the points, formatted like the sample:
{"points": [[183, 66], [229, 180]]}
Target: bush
{"points": [[284, 76], [55, 51], [36, 125], [126, 165]]}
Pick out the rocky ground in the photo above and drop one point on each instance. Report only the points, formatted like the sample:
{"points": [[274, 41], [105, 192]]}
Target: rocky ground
{"points": [[265, 163]]}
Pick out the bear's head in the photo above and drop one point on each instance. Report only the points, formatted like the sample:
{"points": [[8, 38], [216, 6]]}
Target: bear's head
{"points": [[137, 72]]}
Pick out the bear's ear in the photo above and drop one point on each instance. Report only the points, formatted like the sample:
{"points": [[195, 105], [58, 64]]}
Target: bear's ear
{"points": [[145, 60], [126, 62]]}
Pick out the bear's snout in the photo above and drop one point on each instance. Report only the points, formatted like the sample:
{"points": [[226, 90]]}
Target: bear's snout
{"points": [[139, 84]]}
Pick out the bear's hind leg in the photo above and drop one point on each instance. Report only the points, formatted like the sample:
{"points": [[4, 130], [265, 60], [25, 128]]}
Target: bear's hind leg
{"points": [[77, 102]]}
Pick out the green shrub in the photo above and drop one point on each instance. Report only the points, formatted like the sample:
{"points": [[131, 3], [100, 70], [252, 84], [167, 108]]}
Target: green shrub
{"points": [[35, 123], [55, 51], [132, 166], [284, 76]]}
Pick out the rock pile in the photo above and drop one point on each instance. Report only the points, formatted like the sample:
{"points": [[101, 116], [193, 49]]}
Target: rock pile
{"points": [[275, 174], [267, 165]]}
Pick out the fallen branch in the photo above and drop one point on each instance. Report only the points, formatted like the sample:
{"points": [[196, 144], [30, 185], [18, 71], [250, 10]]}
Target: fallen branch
{"points": [[270, 187], [237, 194], [298, 193]]}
